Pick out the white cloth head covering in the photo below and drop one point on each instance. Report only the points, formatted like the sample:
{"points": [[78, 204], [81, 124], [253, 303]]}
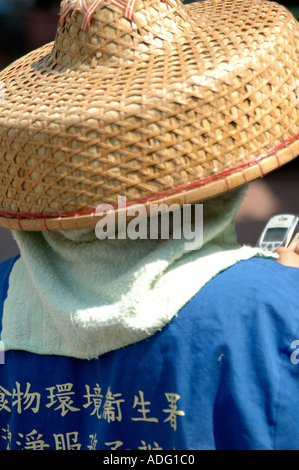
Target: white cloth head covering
{"points": [[72, 294]]}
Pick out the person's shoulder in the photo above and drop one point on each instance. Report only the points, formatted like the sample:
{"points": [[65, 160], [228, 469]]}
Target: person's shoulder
{"points": [[259, 272], [5, 271], [251, 281], [7, 265], [262, 272], [246, 300]]}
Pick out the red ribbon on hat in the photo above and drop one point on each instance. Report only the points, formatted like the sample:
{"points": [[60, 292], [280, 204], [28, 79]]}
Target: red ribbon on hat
{"points": [[88, 10]]}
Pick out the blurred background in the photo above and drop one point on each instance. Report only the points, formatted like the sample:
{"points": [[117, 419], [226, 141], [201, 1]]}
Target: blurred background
{"points": [[28, 24]]}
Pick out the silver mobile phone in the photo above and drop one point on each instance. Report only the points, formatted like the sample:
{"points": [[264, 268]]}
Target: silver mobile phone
{"points": [[281, 230]]}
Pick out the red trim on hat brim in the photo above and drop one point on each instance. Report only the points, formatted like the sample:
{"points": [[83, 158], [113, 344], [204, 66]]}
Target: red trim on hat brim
{"points": [[185, 188]]}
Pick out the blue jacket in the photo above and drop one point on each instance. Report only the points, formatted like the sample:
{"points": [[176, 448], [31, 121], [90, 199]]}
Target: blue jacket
{"points": [[224, 374]]}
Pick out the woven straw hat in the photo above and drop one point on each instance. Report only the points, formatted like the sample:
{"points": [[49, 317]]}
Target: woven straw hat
{"points": [[148, 99]]}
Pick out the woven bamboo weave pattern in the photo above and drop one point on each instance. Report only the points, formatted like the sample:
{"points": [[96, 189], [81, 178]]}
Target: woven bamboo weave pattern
{"points": [[167, 102]]}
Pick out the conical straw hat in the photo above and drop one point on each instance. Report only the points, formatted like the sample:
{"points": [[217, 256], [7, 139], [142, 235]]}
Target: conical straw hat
{"points": [[152, 100]]}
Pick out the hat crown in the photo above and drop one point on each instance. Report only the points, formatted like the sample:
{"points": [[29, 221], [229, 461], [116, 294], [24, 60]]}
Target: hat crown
{"points": [[94, 31], [178, 105]]}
